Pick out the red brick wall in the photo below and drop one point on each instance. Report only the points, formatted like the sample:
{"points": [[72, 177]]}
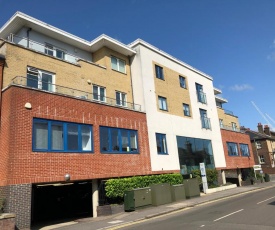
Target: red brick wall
{"points": [[233, 162], [25, 166]]}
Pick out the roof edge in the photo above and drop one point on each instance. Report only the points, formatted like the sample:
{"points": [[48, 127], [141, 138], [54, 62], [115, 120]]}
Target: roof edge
{"points": [[159, 51]]}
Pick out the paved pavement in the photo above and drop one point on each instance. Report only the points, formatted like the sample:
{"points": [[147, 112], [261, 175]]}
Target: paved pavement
{"points": [[113, 221]]}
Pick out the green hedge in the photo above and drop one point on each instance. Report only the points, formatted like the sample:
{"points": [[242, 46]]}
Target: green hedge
{"points": [[115, 188]]}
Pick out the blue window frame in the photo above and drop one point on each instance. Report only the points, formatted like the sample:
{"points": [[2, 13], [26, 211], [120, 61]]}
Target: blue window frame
{"points": [[159, 72], [182, 82], [200, 94], [161, 143], [244, 150], [59, 136], [117, 140], [162, 103], [186, 110], [232, 149]]}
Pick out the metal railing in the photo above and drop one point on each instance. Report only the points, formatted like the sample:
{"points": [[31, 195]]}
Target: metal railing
{"points": [[201, 97], [230, 128], [83, 95], [228, 112], [43, 48], [205, 123]]}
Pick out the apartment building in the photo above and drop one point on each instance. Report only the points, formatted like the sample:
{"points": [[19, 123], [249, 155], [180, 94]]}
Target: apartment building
{"points": [[263, 147], [182, 119], [68, 120], [236, 143], [74, 113]]}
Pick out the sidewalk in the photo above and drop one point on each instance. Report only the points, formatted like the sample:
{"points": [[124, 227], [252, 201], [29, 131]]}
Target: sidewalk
{"points": [[108, 222]]}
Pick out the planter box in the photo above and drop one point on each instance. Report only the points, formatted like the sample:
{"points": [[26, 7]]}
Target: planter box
{"points": [[219, 189], [7, 221]]}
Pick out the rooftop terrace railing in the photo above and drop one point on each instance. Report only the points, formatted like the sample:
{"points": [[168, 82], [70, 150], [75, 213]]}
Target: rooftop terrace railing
{"points": [[47, 86], [47, 49], [230, 128]]}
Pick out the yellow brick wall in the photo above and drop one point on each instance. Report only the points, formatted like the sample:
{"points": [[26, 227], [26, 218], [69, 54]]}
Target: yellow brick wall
{"points": [[67, 74], [227, 119], [171, 90]]}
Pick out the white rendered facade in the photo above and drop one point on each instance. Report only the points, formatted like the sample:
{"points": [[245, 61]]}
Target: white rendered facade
{"points": [[162, 122]]}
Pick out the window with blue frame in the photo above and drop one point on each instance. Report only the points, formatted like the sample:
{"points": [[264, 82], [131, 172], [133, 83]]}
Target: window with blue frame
{"points": [[161, 143], [244, 150], [182, 82], [117, 140], [59, 136], [186, 110], [159, 72], [232, 149]]}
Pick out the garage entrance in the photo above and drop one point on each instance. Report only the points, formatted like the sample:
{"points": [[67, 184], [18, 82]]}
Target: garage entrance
{"points": [[52, 202]]}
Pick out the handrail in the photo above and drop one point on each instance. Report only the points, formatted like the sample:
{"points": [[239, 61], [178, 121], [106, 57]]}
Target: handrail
{"points": [[83, 95]]}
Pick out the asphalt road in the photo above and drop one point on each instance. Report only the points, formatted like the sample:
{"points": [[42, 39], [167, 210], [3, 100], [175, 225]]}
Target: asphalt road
{"points": [[249, 211]]}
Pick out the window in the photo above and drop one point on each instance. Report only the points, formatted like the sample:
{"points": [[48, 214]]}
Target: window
{"points": [[234, 126], [159, 72], [117, 140], [121, 99], [99, 93], [200, 94], [161, 143], [182, 82], [244, 150], [193, 151], [118, 64], [186, 110], [232, 149], [57, 136], [261, 159], [53, 51], [258, 145], [221, 123], [205, 121], [40, 79], [162, 103]]}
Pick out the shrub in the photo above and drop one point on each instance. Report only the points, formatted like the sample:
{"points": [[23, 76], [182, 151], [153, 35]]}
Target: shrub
{"points": [[115, 188], [211, 174]]}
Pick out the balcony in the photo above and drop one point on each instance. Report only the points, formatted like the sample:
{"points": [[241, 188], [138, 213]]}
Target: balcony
{"points": [[43, 48], [230, 128], [205, 123], [201, 97], [71, 92], [228, 112]]}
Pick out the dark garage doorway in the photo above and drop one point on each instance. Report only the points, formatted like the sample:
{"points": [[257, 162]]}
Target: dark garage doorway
{"points": [[53, 202]]}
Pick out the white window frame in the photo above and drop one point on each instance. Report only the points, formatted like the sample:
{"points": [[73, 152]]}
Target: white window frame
{"points": [[221, 123], [234, 126], [120, 101], [261, 159], [37, 73], [116, 64], [258, 145], [162, 103], [51, 48], [97, 93]]}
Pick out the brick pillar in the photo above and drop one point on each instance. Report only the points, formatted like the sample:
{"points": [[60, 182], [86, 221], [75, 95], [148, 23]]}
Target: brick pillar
{"points": [[19, 202]]}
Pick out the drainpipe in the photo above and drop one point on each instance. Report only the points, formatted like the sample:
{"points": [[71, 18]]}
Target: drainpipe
{"points": [[129, 60], [28, 37]]}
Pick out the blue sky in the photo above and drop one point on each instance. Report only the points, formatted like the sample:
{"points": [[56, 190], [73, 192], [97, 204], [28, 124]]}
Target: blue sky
{"points": [[231, 40]]}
